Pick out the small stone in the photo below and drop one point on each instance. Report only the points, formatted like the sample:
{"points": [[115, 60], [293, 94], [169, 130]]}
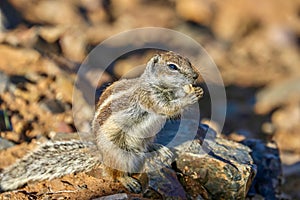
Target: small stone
{"points": [[51, 34], [53, 105], [2, 19], [62, 127], [165, 183], [4, 81], [4, 144], [5, 123], [268, 128], [121, 196]]}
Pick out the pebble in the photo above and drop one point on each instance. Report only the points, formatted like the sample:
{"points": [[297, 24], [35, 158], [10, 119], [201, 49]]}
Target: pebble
{"points": [[4, 144], [4, 81], [53, 105], [121, 196], [5, 123]]}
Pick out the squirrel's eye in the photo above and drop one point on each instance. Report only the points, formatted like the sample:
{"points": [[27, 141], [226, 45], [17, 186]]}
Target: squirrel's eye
{"points": [[173, 66]]}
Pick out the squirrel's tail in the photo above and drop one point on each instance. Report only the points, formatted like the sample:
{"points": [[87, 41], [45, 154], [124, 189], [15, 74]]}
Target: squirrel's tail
{"points": [[50, 160]]}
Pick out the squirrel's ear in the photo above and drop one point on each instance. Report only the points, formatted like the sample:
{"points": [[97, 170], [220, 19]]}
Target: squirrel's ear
{"points": [[153, 61], [155, 58]]}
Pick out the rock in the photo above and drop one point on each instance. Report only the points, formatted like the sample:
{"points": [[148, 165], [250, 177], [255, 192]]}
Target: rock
{"points": [[53, 105], [165, 184], [199, 11], [4, 144], [226, 171], [121, 196], [9, 17], [289, 158], [51, 34], [82, 112], [73, 44], [4, 80], [292, 175], [2, 19], [55, 136], [42, 12], [18, 61], [287, 119], [63, 87], [131, 67], [59, 126], [286, 122], [171, 136], [278, 94], [21, 36], [269, 173], [5, 123], [230, 23]]}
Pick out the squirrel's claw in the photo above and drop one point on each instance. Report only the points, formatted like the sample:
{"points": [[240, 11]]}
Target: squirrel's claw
{"points": [[131, 184]]}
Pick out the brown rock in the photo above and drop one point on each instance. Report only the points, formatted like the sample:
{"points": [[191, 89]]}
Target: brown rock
{"points": [[233, 19], [73, 45], [51, 33], [165, 184], [20, 36], [49, 12], [17, 60], [63, 87], [225, 172], [199, 11], [278, 94], [287, 118], [130, 68], [62, 127]]}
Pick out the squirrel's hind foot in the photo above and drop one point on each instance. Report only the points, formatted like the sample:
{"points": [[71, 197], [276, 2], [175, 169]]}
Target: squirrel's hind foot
{"points": [[131, 184]]}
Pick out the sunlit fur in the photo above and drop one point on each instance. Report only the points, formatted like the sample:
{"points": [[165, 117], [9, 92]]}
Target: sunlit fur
{"points": [[132, 111]]}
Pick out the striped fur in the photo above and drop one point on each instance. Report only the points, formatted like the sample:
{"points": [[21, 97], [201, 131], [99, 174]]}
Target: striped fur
{"points": [[50, 160], [131, 111]]}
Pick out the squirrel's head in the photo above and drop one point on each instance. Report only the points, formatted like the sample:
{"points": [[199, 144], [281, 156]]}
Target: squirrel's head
{"points": [[171, 69]]}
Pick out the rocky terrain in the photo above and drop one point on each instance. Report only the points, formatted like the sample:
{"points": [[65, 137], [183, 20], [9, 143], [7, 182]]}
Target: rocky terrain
{"points": [[255, 45]]}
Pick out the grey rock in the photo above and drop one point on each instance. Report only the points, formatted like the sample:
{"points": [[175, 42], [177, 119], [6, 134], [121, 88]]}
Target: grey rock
{"points": [[177, 132], [53, 105], [4, 81], [163, 184], [4, 144], [268, 180], [121, 196]]}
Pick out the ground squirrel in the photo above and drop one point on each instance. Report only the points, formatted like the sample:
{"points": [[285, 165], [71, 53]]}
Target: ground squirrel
{"points": [[128, 115]]}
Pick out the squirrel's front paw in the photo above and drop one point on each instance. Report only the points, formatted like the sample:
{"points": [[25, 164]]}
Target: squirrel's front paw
{"points": [[199, 92], [194, 95]]}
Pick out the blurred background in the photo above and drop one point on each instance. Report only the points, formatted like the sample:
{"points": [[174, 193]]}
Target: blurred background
{"points": [[254, 43]]}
